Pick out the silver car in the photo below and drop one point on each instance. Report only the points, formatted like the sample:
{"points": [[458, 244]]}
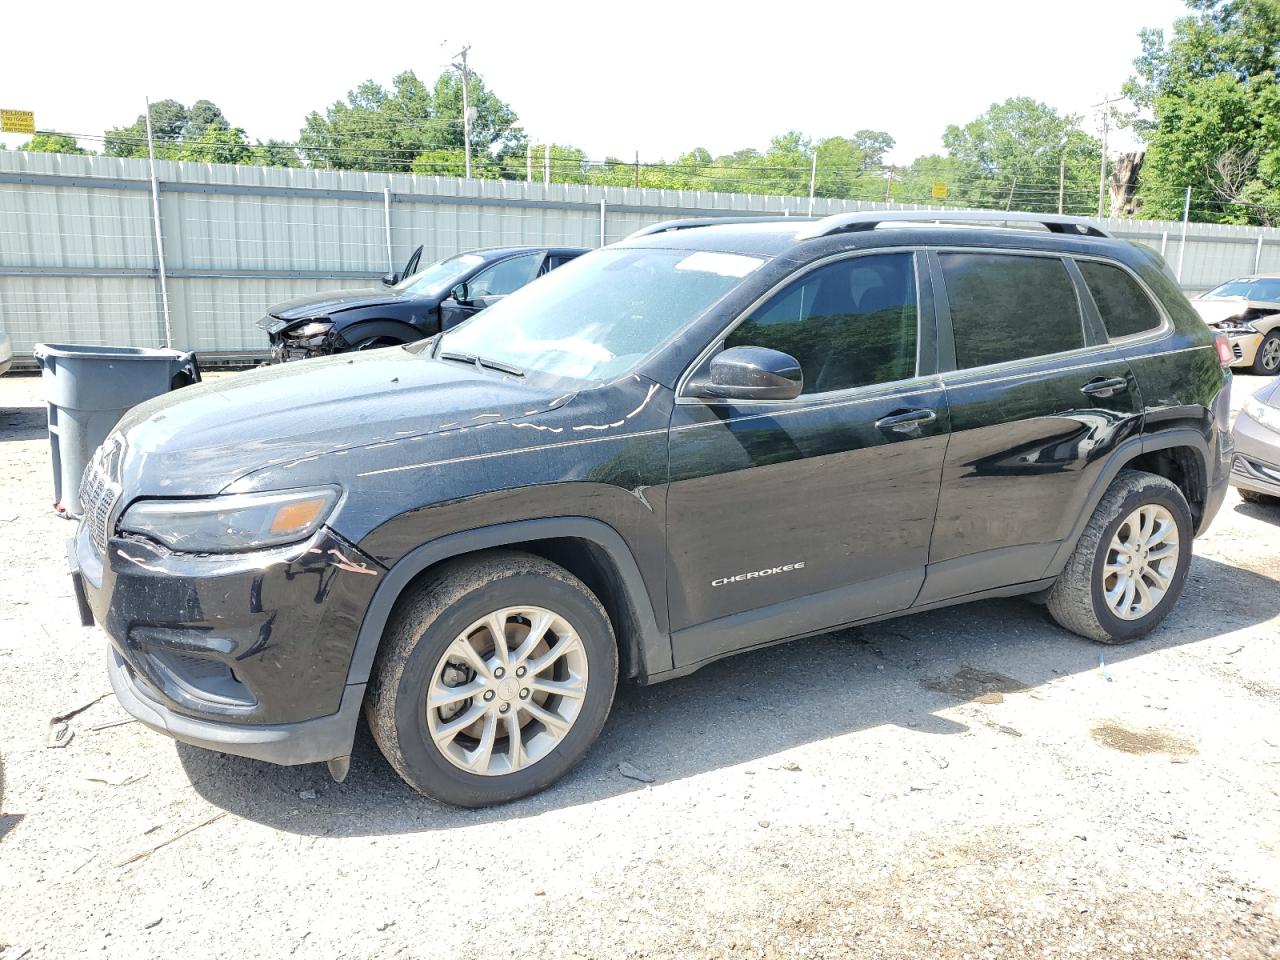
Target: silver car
{"points": [[1255, 471], [1247, 311], [6, 353]]}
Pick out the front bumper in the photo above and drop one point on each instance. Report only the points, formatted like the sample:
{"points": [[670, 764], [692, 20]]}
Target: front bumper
{"points": [[247, 654], [1244, 346], [308, 741], [1256, 465]]}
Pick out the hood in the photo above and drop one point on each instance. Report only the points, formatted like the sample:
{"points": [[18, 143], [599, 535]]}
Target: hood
{"points": [[1215, 311], [332, 301], [197, 440]]}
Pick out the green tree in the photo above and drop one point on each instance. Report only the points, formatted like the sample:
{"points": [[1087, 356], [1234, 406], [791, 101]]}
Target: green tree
{"points": [[381, 129], [53, 143], [201, 133], [1009, 156], [1210, 96]]}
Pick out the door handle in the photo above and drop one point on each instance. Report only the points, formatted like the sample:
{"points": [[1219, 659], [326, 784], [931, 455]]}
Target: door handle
{"points": [[1104, 387], [906, 422]]}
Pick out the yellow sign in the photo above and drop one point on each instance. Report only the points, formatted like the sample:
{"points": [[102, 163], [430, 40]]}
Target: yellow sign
{"points": [[17, 121], [939, 190]]}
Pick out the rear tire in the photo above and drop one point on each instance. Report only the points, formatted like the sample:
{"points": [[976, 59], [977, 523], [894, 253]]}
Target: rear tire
{"points": [[1092, 596], [522, 735], [1266, 362]]}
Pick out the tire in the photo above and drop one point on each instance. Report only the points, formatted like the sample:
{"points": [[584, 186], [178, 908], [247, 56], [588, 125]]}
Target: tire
{"points": [[418, 657], [1078, 599], [1262, 499], [1266, 362]]}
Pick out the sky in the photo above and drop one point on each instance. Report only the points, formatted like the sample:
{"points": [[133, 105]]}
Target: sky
{"points": [[659, 77]]}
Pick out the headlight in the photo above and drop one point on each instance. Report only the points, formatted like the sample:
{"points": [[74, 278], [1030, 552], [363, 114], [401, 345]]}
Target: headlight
{"points": [[312, 328], [244, 521], [1260, 412]]}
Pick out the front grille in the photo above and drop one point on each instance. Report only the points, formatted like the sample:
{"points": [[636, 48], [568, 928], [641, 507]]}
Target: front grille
{"points": [[100, 490]]}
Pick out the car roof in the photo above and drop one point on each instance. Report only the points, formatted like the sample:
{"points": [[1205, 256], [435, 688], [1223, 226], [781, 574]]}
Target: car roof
{"points": [[779, 238], [497, 253]]}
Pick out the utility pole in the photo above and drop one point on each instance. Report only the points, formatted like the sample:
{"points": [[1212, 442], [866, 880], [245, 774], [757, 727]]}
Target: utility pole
{"points": [[636, 184], [546, 164], [1102, 166], [466, 107], [1062, 178], [155, 218], [1182, 246], [813, 180], [888, 187], [528, 161]]}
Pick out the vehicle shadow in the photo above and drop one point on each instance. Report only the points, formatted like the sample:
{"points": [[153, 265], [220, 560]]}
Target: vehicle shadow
{"points": [[749, 707], [1268, 512], [23, 423]]}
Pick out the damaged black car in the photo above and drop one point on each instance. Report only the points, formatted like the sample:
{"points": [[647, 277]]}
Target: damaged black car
{"points": [[421, 304]]}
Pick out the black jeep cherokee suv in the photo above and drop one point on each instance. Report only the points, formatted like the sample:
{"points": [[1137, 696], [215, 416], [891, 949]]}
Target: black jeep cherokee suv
{"points": [[698, 441]]}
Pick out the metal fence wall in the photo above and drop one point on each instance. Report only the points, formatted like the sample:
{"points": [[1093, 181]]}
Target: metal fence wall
{"points": [[78, 257]]}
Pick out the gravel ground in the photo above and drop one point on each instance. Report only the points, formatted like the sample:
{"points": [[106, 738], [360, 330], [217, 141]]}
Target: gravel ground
{"points": [[966, 783]]}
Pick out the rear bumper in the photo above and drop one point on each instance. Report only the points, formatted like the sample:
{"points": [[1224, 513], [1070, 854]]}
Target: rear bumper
{"points": [[309, 741]]}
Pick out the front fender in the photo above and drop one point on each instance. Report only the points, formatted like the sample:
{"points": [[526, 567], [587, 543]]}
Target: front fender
{"points": [[650, 645]]}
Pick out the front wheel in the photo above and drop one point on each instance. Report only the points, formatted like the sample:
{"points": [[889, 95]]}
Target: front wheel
{"points": [[1267, 361], [493, 680], [1128, 568]]}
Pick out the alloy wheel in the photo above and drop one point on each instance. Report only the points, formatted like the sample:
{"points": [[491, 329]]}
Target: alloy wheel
{"points": [[1271, 355], [507, 691], [1141, 561]]}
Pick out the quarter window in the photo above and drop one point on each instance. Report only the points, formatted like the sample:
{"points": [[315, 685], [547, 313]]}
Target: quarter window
{"points": [[849, 324], [1125, 307], [1007, 307]]}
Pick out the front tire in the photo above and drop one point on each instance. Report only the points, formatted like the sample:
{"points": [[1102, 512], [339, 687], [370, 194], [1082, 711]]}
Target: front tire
{"points": [[1128, 568], [493, 679], [1266, 363]]}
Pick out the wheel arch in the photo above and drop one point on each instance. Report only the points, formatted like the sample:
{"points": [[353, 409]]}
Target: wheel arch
{"points": [[1181, 456], [589, 549], [381, 327]]}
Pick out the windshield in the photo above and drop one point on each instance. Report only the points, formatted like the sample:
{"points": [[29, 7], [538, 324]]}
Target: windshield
{"points": [[599, 316], [1264, 289], [438, 277]]}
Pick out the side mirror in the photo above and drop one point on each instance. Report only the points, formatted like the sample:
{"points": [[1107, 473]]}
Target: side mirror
{"points": [[754, 373], [391, 279], [461, 293]]}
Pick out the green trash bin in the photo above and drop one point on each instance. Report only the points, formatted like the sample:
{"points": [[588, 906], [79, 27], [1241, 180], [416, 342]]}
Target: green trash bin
{"points": [[87, 390]]}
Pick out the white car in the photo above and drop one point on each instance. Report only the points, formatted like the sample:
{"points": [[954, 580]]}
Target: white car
{"points": [[6, 353]]}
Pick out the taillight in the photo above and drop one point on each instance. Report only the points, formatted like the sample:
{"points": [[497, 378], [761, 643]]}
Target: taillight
{"points": [[1225, 356]]}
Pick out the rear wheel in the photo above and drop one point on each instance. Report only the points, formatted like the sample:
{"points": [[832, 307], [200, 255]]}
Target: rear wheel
{"points": [[1267, 361], [494, 680], [1129, 566]]}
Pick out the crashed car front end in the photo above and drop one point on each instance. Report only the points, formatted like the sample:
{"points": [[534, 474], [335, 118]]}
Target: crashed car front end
{"points": [[302, 339], [1245, 324]]}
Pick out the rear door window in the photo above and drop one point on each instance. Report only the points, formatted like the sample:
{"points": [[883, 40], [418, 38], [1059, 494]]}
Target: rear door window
{"points": [[1125, 307], [1007, 307], [850, 324]]}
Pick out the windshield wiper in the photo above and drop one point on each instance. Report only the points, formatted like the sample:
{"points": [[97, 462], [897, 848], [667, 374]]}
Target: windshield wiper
{"points": [[482, 362]]}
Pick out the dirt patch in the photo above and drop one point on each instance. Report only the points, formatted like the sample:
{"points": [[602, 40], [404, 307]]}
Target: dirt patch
{"points": [[1151, 740], [970, 683]]}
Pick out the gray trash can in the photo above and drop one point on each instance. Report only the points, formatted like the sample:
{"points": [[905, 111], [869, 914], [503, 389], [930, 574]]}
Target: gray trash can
{"points": [[87, 390]]}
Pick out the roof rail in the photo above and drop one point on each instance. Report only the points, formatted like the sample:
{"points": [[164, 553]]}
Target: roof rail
{"points": [[669, 226], [870, 219]]}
